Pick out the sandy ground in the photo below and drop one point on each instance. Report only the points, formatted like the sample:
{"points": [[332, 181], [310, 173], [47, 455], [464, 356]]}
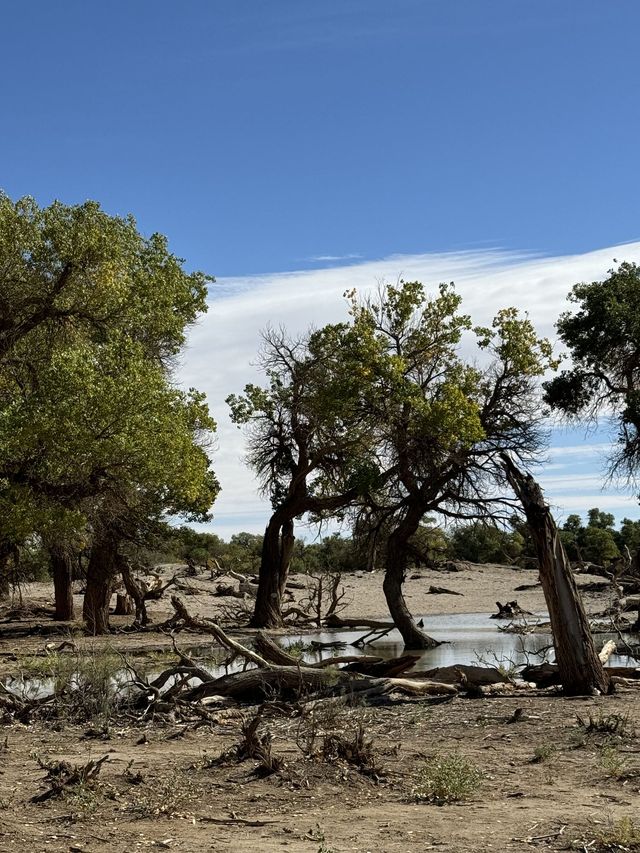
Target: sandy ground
{"points": [[544, 781]]}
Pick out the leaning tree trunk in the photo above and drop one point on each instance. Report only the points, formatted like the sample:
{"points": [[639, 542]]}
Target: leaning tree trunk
{"points": [[580, 668], [396, 558], [100, 573], [62, 571], [277, 548]]}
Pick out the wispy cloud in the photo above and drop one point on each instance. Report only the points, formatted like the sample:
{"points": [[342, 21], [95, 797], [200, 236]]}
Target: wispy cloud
{"points": [[223, 348], [332, 259]]}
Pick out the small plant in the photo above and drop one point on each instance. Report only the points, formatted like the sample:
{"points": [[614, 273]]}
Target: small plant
{"points": [[543, 752], [298, 649], [611, 760], [174, 796], [447, 779], [623, 835], [612, 724], [507, 667]]}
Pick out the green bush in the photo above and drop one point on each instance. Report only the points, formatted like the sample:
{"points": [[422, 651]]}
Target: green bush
{"points": [[447, 779]]}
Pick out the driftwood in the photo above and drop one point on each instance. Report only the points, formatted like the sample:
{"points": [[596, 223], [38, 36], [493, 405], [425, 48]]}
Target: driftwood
{"points": [[244, 586], [208, 626], [363, 664], [481, 675], [264, 683], [606, 651], [548, 675], [61, 775], [296, 585], [509, 610], [377, 628], [340, 623], [228, 591], [380, 668], [440, 590]]}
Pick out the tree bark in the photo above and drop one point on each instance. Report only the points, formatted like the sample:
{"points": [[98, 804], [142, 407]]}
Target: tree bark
{"points": [[580, 669], [6, 549], [277, 548], [397, 558], [124, 604], [62, 571], [100, 573]]}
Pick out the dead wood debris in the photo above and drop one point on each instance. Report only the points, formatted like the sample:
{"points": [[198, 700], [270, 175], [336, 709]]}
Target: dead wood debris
{"points": [[62, 777]]}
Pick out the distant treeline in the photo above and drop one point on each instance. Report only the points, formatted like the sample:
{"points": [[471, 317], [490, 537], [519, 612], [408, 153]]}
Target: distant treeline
{"points": [[595, 541]]}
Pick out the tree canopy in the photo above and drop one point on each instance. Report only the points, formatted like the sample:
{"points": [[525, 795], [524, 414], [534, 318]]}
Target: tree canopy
{"points": [[602, 335], [93, 432]]}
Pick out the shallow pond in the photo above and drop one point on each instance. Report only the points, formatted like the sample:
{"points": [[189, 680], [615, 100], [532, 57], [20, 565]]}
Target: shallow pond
{"points": [[466, 638]]}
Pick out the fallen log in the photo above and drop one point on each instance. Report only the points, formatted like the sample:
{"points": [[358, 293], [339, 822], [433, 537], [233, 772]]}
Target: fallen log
{"points": [[364, 664], [272, 652], [208, 626], [348, 624], [547, 674], [380, 668], [255, 684], [441, 590], [480, 675]]}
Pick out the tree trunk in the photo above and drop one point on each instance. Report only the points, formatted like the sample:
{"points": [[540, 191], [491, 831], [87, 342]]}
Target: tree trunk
{"points": [[135, 593], [397, 554], [62, 571], [6, 549], [100, 573], [277, 548], [581, 671], [124, 604]]}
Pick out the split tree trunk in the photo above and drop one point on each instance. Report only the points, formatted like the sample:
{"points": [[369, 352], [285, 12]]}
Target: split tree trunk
{"points": [[277, 548], [397, 558], [62, 571], [100, 573], [581, 671]]}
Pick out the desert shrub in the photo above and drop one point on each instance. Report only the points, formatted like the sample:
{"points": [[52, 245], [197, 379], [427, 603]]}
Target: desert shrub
{"points": [[543, 752], [623, 835], [447, 779], [87, 683]]}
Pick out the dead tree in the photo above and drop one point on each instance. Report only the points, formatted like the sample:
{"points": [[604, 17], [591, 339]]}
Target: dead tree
{"points": [[581, 671]]}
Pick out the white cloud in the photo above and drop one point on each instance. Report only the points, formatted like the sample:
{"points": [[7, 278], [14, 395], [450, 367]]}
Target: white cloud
{"points": [[331, 259], [223, 348]]}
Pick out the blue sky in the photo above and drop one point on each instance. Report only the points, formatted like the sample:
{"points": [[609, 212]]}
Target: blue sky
{"points": [[297, 135]]}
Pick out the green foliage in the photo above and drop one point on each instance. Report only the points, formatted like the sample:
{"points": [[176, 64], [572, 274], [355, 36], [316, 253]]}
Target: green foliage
{"points": [[86, 682], [543, 752], [485, 543], [447, 779], [620, 835], [91, 425], [611, 760], [602, 335], [333, 553], [439, 420], [598, 542]]}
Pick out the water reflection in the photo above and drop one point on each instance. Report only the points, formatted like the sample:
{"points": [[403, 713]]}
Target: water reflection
{"points": [[467, 638]]}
